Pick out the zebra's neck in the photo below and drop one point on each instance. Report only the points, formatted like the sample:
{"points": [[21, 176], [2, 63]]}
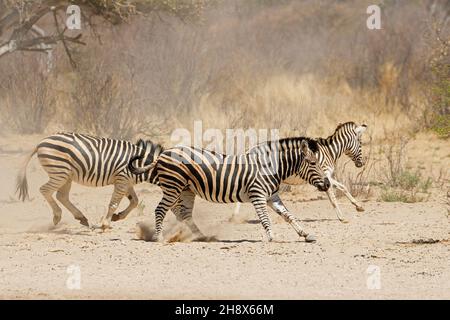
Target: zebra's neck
{"points": [[290, 159], [281, 159], [336, 145]]}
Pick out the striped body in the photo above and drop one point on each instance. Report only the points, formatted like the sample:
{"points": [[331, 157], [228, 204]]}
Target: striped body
{"points": [[90, 161], [186, 172]]}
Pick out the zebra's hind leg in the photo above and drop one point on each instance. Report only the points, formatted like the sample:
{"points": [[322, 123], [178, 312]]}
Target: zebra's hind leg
{"points": [[332, 197], [277, 205], [349, 196], [170, 198], [237, 208], [184, 208], [63, 196], [260, 204], [133, 204], [47, 190]]}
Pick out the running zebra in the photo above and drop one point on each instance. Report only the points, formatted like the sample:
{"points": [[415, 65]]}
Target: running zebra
{"points": [[346, 139], [186, 172], [90, 161]]}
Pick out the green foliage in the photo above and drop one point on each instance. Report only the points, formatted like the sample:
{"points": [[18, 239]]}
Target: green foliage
{"points": [[441, 101], [405, 186], [440, 88], [392, 195], [407, 180], [401, 184], [441, 125]]}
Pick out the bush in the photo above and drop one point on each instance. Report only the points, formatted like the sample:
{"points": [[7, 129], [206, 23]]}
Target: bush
{"points": [[440, 86], [392, 195], [402, 185]]}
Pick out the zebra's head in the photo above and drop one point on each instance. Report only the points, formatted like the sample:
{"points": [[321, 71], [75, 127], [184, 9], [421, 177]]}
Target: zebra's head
{"points": [[146, 156], [350, 135], [310, 169], [150, 150]]}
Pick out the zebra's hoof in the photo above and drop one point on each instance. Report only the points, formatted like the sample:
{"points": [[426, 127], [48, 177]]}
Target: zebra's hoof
{"points": [[84, 222], [56, 220], [105, 227], [116, 217], [200, 239], [359, 209], [343, 221], [158, 239], [310, 238]]}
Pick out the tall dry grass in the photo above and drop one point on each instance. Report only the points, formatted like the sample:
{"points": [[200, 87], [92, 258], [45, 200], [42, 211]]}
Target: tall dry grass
{"points": [[297, 66]]}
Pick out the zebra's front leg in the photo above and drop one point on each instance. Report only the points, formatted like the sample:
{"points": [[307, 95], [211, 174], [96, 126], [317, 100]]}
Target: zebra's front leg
{"points": [[332, 197], [183, 211], [277, 205], [133, 204], [349, 196], [119, 192], [260, 204]]}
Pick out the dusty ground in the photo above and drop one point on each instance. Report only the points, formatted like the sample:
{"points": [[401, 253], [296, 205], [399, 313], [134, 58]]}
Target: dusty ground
{"points": [[37, 260]]}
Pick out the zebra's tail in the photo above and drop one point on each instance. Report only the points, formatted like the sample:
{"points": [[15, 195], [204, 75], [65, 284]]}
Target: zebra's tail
{"points": [[141, 170], [22, 183]]}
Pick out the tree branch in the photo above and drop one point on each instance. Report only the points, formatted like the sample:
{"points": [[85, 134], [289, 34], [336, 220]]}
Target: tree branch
{"points": [[18, 41]]}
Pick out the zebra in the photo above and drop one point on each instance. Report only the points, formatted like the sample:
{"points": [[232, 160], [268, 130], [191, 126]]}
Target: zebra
{"points": [[91, 161], [346, 139], [186, 172]]}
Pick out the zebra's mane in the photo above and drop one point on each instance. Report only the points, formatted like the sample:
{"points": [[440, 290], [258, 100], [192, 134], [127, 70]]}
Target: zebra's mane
{"points": [[338, 128], [285, 142], [345, 124], [312, 143], [144, 144]]}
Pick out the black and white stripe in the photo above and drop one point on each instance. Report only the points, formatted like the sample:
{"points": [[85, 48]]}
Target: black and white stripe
{"points": [[186, 172], [346, 139], [90, 161]]}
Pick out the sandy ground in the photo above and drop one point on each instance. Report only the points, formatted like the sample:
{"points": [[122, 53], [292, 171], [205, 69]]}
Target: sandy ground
{"points": [[374, 256]]}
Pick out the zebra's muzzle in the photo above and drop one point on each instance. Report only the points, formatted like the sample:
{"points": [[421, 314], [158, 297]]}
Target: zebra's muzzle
{"points": [[359, 164], [324, 186]]}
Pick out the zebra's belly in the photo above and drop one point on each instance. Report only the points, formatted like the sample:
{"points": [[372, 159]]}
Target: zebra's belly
{"points": [[95, 182], [221, 196], [89, 177]]}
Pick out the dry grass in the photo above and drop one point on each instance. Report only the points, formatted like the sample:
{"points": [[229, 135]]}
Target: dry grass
{"points": [[310, 68], [401, 184], [28, 102]]}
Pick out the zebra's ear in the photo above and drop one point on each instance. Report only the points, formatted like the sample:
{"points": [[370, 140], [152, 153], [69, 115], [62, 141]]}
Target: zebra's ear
{"points": [[304, 147], [360, 129]]}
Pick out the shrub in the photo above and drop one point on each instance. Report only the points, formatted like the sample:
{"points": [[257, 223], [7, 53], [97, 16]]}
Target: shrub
{"points": [[401, 184], [28, 102]]}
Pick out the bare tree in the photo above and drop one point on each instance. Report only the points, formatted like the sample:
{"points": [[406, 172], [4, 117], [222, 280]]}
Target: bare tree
{"points": [[21, 17]]}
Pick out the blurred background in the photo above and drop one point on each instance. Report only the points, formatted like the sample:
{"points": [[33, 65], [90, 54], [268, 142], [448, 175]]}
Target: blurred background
{"points": [[146, 68]]}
